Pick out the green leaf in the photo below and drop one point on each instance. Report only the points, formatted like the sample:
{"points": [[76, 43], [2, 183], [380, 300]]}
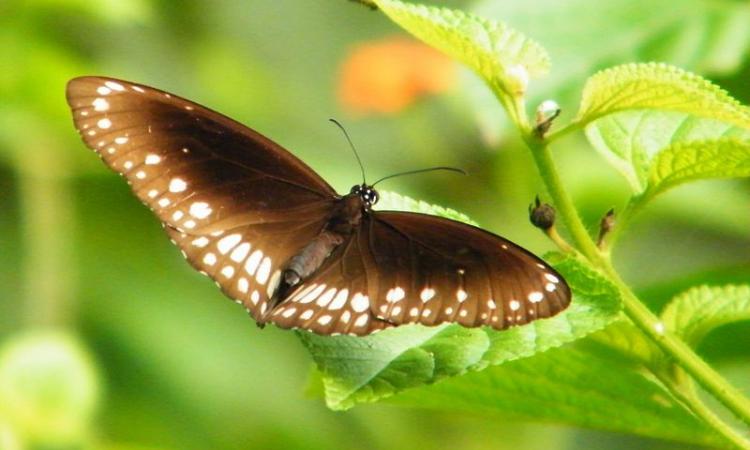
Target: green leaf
{"points": [[356, 370], [397, 202], [657, 86], [631, 140], [502, 56], [627, 340], [697, 311], [584, 384], [698, 35], [683, 162]]}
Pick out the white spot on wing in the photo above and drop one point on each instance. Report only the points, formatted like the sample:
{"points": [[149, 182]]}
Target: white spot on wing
{"points": [[427, 294], [200, 242], [209, 259], [324, 320], [243, 285], [239, 253], [396, 294], [227, 271], [461, 295], [340, 300], [200, 210], [306, 315], [163, 202], [360, 302], [114, 86], [264, 271], [228, 242], [536, 297], [153, 193], [104, 123], [100, 104], [274, 283], [251, 265], [121, 140], [515, 305], [312, 295], [153, 159], [361, 321], [326, 297], [177, 185], [103, 90], [551, 278]]}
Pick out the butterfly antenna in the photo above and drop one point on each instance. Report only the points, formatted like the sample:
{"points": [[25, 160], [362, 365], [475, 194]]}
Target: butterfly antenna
{"points": [[351, 144], [430, 169]]}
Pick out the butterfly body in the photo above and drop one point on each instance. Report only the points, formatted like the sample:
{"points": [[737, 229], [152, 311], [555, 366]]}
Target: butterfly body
{"points": [[276, 238]]}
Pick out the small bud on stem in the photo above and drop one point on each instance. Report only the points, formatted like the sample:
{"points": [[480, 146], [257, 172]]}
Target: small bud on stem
{"points": [[542, 216], [605, 226], [546, 113]]}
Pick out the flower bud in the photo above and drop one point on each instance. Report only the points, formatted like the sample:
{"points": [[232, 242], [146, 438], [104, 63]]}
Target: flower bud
{"points": [[542, 215]]}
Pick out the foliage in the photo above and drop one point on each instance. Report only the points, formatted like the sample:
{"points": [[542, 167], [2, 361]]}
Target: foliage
{"points": [[366, 370], [147, 359]]}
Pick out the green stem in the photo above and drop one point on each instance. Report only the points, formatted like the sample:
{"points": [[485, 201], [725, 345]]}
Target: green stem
{"points": [[562, 200], [638, 313], [681, 353], [691, 401]]}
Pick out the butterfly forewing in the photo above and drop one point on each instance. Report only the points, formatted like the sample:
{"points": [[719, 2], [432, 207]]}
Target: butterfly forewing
{"points": [[199, 171]]}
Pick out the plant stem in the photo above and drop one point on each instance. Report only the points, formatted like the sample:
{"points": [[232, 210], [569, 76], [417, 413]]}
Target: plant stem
{"points": [[560, 197], [636, 311], [681, 353], [691, 401]]}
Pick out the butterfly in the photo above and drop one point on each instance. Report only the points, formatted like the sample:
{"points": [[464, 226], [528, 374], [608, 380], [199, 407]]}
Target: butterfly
{"points": [[278, 239]]}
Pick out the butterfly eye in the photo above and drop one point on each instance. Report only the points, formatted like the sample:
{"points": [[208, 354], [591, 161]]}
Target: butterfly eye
{"points": [[372, 196]]}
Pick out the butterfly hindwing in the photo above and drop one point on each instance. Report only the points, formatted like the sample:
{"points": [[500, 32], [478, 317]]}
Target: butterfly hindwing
{"points": [[246, 261], [413, 268]]}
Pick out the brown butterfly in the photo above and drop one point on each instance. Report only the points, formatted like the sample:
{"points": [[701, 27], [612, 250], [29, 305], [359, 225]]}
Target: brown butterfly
{"points": [[279, 240]]}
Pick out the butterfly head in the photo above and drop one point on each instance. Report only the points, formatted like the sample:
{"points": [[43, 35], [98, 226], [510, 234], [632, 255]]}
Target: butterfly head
{"points": [[367, 194]]}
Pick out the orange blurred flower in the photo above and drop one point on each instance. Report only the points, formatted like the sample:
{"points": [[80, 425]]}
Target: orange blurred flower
{"points": [[386, 75]]}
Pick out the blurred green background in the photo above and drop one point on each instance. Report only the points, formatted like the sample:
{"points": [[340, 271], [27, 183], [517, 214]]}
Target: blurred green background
{"points": [[108, 340]]}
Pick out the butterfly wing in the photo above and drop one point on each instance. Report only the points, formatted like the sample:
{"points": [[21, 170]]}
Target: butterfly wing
{"points": [[237, 204], [198, 170], [415, 268]]}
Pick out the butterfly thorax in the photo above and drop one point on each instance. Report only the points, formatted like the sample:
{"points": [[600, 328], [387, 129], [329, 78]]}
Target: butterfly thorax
{"points": [[345, 217]]}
